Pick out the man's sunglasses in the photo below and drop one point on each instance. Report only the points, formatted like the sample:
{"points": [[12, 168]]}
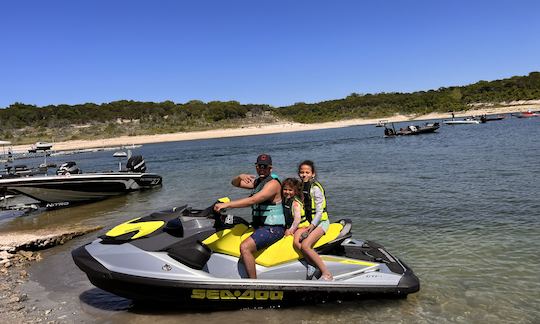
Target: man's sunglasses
{"points": [[262, 166]]}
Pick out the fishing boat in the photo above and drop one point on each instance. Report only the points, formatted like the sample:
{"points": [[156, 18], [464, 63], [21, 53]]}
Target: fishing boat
{"points": [[71, 186], [466, 121], [411, 130], [40, 146], [485, 118]]}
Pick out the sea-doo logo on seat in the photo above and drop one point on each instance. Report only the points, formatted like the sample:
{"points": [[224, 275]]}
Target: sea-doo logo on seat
{"points": [[223, 294]]}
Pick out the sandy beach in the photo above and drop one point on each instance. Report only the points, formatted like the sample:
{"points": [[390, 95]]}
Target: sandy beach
{"points": [[274, 128]]}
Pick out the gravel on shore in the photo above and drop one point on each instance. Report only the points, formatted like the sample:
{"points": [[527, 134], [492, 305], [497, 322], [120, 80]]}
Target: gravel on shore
{"points": [[18, 250]]}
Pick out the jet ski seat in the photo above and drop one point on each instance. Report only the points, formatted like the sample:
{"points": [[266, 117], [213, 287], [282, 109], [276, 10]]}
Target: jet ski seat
{"points": [[228, 242]]}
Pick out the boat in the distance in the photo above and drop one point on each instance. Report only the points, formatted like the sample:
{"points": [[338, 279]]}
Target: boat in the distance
{"points": [[411, 130], [381, 123], [466, 121], [486, 118], [40, 146], [526, 114], [71, 186]]}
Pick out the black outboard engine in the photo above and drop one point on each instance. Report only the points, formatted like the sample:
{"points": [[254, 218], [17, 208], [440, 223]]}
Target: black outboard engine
{"points": [[136, 164], [389, 132], [68, 168]]}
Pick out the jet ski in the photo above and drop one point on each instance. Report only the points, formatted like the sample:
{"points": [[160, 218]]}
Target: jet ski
{"points": [[190, 257]]}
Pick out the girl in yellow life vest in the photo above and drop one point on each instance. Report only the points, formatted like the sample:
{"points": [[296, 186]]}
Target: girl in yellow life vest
{"points": [[316, 214], [293, 207]]}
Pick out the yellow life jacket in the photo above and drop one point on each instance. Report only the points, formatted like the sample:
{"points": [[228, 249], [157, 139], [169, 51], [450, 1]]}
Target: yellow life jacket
{"points": [[309, 201]]}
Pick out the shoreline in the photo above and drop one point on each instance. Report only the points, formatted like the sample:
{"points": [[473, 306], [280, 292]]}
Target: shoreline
{"points": [[18, 251], [274, 128]]}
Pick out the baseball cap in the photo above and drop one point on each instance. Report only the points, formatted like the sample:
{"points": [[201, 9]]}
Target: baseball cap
{"points": [[264, 159]]}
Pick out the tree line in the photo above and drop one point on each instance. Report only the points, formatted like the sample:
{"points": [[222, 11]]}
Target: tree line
{"points": [[421, 102], [24, 123]]}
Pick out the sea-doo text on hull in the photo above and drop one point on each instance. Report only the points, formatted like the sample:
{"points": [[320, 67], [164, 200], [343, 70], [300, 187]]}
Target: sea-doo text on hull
{"points": [[191, 257]]}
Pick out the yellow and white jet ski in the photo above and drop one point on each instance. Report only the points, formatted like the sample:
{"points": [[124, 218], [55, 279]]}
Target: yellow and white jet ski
{"points": [[190, 257]]}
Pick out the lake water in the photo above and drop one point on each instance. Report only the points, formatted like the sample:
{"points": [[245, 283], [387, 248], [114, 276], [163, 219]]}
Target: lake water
{"points": [[461, 207]]}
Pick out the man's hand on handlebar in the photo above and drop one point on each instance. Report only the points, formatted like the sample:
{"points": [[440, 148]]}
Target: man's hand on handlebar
{"points": [[221, 207]]}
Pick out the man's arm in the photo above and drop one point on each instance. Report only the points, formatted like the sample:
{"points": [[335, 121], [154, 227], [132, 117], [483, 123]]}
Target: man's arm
{"points": [[268, 192]]}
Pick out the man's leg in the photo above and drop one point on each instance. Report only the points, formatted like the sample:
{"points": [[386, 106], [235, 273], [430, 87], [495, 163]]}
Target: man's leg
{"points": [[247, 248]]}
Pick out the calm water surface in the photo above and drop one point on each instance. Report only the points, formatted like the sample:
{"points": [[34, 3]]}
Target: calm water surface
{"points": [[461, 207]]}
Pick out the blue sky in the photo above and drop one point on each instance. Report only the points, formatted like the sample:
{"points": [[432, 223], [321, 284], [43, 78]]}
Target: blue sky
{"points": [[274, 52]]}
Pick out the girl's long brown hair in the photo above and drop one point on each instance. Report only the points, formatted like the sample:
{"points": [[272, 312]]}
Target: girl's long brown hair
{"points": [[295, 184]]}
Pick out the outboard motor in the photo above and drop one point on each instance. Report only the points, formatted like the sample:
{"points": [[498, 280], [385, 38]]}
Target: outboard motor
{"points": [[389, 132], [136, 164], [68, 168]]}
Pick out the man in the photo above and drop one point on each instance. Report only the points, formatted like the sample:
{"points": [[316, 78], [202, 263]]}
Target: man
{"points": [[267, 211]]}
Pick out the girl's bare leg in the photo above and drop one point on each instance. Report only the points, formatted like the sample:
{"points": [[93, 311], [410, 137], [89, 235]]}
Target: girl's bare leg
{"points": [[312, 256]]}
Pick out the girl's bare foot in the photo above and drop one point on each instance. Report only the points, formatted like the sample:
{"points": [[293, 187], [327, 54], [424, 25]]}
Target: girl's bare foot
{"points": [[327, 277]]}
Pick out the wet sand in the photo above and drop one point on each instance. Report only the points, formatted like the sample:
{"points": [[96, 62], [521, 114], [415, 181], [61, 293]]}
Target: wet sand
{"points": [[18, 250], [277, 128]]}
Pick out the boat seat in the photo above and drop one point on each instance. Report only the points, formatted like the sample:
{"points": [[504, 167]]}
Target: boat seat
{"points": [[228, 242]]}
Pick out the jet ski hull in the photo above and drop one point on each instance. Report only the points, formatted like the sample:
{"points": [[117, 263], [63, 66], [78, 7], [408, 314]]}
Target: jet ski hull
{"points": [[233, 293], [178, 258]]}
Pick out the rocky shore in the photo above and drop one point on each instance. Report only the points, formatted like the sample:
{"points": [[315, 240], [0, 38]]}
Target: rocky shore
{"points": [[17, 251]]}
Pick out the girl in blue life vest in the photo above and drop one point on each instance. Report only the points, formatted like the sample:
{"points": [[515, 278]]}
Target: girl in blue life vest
{"points": [[293, 207], [316, 214]]}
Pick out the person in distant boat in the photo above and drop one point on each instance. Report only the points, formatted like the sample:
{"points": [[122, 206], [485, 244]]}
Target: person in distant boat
{"points": [[267, 210], [293, 207], [316, 214]]}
